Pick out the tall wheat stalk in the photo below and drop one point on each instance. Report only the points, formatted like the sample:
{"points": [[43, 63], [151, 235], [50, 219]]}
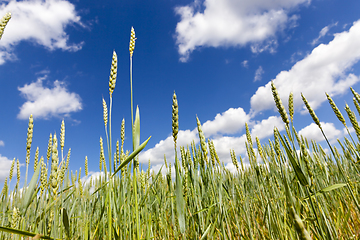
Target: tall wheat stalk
{"points": [[135, 132]]}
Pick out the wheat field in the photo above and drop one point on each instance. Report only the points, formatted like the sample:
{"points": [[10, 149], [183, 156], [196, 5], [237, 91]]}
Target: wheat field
{"points": [[291, 188]]}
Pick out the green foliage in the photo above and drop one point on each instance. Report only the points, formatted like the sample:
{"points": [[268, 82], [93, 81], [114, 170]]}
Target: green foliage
{"points": [[275, 200]]}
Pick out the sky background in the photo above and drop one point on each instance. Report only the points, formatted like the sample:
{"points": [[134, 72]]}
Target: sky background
{"points": [[219, 56]]}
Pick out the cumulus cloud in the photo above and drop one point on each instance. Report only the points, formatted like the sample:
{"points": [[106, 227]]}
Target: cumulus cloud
{"points": [[2, 143], [231, 167], [325, 69], [225, 143], [222, 144], [265, 128], [261, 129], [258, 74], [44, 102], [156, 168], [5, 164], [312, 132], [214, 23], [40, 21], [228, 122], [323, 32], [92, 176], [156, 154]]}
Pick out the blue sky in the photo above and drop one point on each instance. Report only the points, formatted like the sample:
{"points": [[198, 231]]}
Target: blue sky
{"points": [[218, 55]]}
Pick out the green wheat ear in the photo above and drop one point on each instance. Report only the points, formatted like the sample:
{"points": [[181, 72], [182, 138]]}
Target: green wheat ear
{"points": [[132, 42], [113, 74], [202, 140], [279, 104], [86, 166], [12, 169], [212, 152], [3, 23], [28, 144], [311, 111], [17, 172], [54, 167], [353, 120], [36, 158], [291, 106], [233, 159], [336, 110], [175, 118], [4, 191], [356, 95]]}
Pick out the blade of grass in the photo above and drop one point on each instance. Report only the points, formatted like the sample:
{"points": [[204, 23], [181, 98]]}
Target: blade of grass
{"points": [[66, 223], [24, 233], [30, 190], [180, 203], [131, 156], [327, 189], [299, 173]]}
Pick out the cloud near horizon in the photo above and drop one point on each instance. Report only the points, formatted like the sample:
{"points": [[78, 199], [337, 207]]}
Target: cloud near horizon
{"points": [[5, 164], [229, 122], [312, 132], [325, 69], [216, 23], [40, 21], [43, 102], [225, 130], [265, 127]]}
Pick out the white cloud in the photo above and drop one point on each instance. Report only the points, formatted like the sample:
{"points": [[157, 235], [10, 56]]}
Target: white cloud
{"points": [[232, 23], [245, 63], [224, 144], [270, 46], [229, 122], [312, 132], [323, 32], [346, 132], [258, 74], [156, 154], [45, 102], [231, 167], [2, 143], [40, 21], [262, 129], [325, 69], [92, 176], [265, 128], [5, 164], [164, 170]]}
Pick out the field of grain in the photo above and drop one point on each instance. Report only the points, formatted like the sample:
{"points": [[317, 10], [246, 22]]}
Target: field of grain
{"points": [[291, 189]]}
